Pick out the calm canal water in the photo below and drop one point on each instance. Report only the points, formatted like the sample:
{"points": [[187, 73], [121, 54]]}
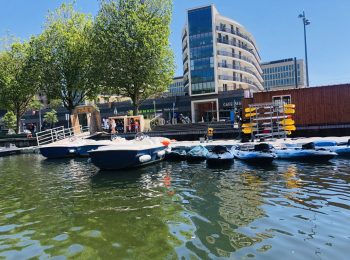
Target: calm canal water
{"points": [[67, 209]]}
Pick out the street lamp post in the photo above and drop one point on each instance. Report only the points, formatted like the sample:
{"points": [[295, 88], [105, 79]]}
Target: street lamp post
{"points": [[305, 23], [154, 104]]}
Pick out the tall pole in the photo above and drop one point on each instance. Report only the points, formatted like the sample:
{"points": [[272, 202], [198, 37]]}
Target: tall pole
{"points": [[154, 104], [305, 23], [39, 128]]}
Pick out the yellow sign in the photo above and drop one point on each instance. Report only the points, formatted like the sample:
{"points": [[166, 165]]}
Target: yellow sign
{"points": [[84, 110]]}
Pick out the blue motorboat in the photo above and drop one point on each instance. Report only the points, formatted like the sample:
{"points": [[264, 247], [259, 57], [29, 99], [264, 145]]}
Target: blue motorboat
{"points": [[198, 153], [219, 155], [71, 147], [342, 149], [176, 154], [60, 149], [307, 153], [256, 154], [130, 154]]}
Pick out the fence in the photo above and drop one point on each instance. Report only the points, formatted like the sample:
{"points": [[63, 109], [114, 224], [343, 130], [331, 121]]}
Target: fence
{"points": [[56, 134]]}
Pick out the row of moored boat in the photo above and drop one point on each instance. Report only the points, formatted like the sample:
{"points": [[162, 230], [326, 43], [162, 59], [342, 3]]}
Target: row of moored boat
{"points": [[261, 153], [122, 154]]}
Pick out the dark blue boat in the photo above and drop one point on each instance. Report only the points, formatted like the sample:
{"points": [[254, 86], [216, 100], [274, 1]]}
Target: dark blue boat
{"points": [[128, 155], [219, 155]]}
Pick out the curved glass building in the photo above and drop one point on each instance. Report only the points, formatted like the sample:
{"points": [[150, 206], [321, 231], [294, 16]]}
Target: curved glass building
{"points": [[219, 55]]}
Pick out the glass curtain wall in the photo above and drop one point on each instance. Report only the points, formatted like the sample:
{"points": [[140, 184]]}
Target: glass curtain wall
{"points": [[201, 51]]}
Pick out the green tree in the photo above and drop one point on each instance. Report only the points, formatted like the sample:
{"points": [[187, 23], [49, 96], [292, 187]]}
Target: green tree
{"points": [[10, 120], [55, 103], [64, 52], [35, 104], [51, 117], [132, 48], [18, 79]]}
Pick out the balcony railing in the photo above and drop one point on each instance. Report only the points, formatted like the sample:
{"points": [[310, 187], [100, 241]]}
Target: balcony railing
{"points": [[221, 29], [184, 48], [231, 78], [232, 43], [184, 36], [241, 57], [230, 66], [185, 71], [186, 82], [185, 58]]}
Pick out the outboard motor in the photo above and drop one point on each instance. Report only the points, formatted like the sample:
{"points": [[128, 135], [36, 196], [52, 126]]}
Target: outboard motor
{"points": [[265, 148], [308, 146]]}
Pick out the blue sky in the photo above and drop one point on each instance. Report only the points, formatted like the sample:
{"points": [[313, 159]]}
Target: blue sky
{"points": [[274, 24]]}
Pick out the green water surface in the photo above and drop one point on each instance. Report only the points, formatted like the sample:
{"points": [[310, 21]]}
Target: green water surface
{"points": [[65, 209]]}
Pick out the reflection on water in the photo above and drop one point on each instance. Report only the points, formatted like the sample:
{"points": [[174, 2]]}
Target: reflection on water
{"points": [[67, 208]]}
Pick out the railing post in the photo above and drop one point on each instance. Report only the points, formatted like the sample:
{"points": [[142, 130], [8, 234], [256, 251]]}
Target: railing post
{"points": [[51, 135]]}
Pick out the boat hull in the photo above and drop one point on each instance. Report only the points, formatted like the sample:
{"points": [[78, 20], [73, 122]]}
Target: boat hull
{"points": [[305, 155], [195, 158], [175, 156], [219, 159], [255, 157], [56, 152], [124, 158], [9, 152], [83, 151]]}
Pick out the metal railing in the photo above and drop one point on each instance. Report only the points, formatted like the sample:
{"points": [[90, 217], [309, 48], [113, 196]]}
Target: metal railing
{"points": [[218, 28], [233, 43], [231, 78], [240, 57], [57, 134], [230, 66]]}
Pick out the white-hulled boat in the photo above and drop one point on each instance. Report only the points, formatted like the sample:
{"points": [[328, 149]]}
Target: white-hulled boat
{"points": [[257, 154], [341, 149], [306, 153], [198, 153], [10, 149], [74, 147], [219, 155], [131, 154]]}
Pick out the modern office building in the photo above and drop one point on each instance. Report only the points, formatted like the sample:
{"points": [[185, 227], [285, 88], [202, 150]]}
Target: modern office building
{"points": [[283, 74], [177, 88], [219, 55]]}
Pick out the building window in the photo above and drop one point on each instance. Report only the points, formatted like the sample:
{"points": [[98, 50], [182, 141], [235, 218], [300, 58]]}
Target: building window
{"points": [[279, 100]]}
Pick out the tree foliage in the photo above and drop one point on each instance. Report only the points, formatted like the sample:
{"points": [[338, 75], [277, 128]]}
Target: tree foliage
{"points": [[10, 120], [132, 47], [51, 117], [64, 51], [19, 79]]}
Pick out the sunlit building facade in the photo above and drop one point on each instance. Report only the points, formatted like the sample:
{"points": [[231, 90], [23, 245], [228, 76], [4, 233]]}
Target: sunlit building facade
{"points": [[219, 55], [283, 74]]}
